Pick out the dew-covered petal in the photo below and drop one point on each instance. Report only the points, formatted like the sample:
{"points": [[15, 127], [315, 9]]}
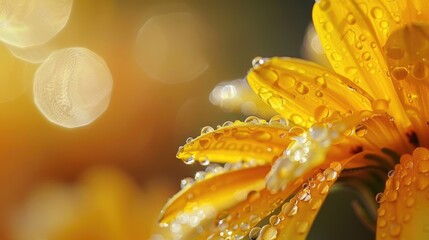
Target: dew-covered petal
{"points": [[404, 204], [381, 131], [72, 88], [26, 23], [218, 192], [251, 140], [353, 34], [305, 92], [407, 52]]}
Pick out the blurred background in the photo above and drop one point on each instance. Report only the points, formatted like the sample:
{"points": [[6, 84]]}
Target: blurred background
{"points": [[176, 66]]}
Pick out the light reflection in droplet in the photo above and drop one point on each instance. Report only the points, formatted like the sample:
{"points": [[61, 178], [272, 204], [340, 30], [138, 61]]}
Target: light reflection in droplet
{"points": [[25, 23], [169, 49], [72, 87]]}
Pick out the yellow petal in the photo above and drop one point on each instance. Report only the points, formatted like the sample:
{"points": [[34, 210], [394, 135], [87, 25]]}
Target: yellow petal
{"points": [[381, 131], [305, 92], [217, 193], [352, 33], [296, 216], [405, 202], [251, 140], [407, 51]]}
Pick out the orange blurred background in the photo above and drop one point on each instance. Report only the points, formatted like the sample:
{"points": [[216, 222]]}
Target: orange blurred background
{"points": [[126, 158]]}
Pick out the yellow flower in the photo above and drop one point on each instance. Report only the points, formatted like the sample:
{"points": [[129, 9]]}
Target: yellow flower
{"points": [[367, 116]]}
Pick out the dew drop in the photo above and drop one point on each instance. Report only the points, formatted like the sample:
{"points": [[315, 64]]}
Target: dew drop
{"points": [[205, 162], [186, 182], [399, 73], [278, 119], [366, 56], [336, 57], [394, 229], [274, 220], [254, 233], [321, 82], [189, 160], [252, 119], [206, 129], [410, 202], [268, 232], [330, 174], [361, 130], [377, 13], [200, 175], [420, 71], [324, 4], [276, 102], [350, 19], [379, 198], [301, 88], [227, 124], [258, 61], [261, 136]]}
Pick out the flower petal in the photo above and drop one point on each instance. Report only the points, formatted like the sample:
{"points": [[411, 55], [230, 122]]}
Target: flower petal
{"points": [[405, 202], [352, 33], [252, 140], [407, 51], [305, 92], [207, 197], [381, 131], [296, 216]]}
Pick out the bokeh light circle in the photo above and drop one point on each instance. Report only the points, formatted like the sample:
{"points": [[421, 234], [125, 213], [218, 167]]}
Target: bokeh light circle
{"points": [[169, 48], [72, 88], [25, 23]]}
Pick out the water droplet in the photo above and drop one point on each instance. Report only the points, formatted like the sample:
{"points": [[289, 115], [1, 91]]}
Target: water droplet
{"points": [[350, 19], [227, 124], [258, 61], [200, 175], [318, 94], [301, 88], [420, 71], [330, 174], [366, 56], [336, 57], [391, 173], [399, 73], [244, 226], [253, 196], [276, 102], [274, 220], [381, 211], [320, 113], [324, 4], [206, 129], [336, 166], [407, 217], [252, 119], [391, 195], [361, 130], [254, 233], [279, 119], [186, 182], [377, 13], [268, 232], [422, 182], [379, 198], [189, 160], [321, 82], [205, 162], [189, 140], [394, 229], [261, 136]]}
